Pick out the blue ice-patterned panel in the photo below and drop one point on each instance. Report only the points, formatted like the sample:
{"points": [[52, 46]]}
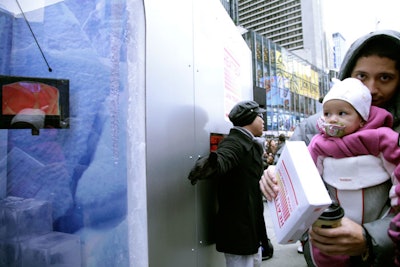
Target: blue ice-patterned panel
{"points": [[6, 21], [81, 171], [50, 250]]}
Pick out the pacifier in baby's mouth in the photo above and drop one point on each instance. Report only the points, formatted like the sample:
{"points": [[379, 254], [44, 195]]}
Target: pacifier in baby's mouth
{"points": [[334, 130]]}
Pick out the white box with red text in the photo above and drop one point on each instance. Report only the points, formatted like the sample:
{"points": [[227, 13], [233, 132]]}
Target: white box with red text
{"points": [[302, 196]]}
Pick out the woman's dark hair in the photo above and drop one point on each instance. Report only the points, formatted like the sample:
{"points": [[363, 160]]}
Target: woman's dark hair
{"points": [[384, 43], [382, 46]]}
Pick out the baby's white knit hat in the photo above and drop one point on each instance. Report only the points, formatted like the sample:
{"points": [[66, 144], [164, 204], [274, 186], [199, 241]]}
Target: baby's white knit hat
{"points": [[354, 92]]}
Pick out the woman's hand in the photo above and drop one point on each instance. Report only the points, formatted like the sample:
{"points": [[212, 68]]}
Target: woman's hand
{"points": [[268, 183], [347, 239]]}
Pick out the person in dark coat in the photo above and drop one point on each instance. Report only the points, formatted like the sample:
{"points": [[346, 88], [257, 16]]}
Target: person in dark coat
{"points": [[237, 165]]}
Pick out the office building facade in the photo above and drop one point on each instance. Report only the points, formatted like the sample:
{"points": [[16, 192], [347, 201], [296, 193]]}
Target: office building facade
{"points": [[290, 57], [287, 85], [231, 6], [295, 25], [339, 49]]}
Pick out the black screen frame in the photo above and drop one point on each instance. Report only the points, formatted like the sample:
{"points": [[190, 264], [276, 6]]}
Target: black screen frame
{"points": [[51, 121]]}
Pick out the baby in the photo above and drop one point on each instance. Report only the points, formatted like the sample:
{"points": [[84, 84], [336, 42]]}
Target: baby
{"points": [[355, 150]]}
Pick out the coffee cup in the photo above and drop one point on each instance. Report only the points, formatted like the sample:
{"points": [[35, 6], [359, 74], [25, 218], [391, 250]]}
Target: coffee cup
{"points": [[331, 217]]}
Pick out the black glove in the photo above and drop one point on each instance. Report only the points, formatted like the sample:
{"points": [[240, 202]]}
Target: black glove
{"points": [[204, 168]]}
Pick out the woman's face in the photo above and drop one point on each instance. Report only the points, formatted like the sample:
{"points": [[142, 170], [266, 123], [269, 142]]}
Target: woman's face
{"points": [[380, 75]]}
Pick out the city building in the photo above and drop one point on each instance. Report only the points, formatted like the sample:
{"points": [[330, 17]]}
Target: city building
{"points": [[339, 49], [293, 59], [295, 25], [287, 85], [231, 6]]}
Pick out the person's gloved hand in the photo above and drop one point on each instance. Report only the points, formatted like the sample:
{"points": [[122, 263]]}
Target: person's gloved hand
{"points": [[204, 168], [196, 173]]}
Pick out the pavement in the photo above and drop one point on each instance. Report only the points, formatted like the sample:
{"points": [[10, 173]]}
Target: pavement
{"points": [[284, 255]]}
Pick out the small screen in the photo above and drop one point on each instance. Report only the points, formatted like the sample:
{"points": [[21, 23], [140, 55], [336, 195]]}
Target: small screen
{"points": [[42, 102]]}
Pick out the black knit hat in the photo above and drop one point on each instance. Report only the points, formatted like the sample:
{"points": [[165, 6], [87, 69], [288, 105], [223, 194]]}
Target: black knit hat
{"points": [[245, 112]]}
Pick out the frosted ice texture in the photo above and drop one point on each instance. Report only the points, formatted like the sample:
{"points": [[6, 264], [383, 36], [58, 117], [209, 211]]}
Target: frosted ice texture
{"points": [[10, 253], [54, 249], [21, 218], [27, 239], [3, 164], [82, 170]]}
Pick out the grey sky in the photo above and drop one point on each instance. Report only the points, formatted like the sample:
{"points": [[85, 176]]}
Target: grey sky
{"points": [[353, 18]]}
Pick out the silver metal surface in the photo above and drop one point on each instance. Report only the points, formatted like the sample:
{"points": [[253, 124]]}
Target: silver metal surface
{"points": [[186, 78]]}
